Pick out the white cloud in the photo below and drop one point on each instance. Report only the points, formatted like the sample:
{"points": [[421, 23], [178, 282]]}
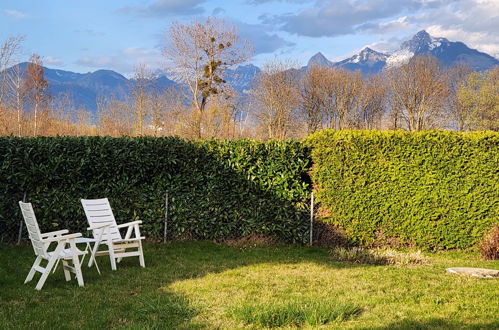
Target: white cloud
{"points": [[483, 41], [340, 17], [396, 25], [125, 61], [474, 22], [262, 37], [53, 61], [386, 46], [15, 14]]}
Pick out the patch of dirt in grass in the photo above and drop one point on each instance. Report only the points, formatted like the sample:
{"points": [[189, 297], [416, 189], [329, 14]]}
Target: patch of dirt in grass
{"points": [[253, 240], [379, 256]]}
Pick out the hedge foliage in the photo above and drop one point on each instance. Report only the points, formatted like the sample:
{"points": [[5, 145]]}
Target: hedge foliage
{"points": [[430, 189], [217, 190]]}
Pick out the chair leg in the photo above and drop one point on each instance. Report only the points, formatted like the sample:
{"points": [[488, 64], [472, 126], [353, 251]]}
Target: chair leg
{"points": [[77, 267], [32, 271], [67, 273], [92, 256], [55, 255], [120, 258], [46, 273], [111, 255], [141, 256]]}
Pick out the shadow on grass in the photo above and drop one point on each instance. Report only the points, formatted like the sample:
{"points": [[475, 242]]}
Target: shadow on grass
{"points": [[131, 297], [218, 190]]}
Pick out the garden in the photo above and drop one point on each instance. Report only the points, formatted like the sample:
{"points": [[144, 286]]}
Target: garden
{"points": [[393, 211]]}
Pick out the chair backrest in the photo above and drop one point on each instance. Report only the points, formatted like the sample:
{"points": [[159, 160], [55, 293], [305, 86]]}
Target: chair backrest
{"points": [[98, 212], [35, 235]]}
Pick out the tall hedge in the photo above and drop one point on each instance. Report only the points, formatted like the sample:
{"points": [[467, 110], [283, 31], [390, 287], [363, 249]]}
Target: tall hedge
{"points": [[430, 189], [217, 190]]}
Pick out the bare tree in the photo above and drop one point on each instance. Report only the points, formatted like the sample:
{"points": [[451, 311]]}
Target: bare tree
{"points": [[372, 102], [158, 109], [176, 115], [343, 97], [62, 109], [142, 81], [36, 88], [220, 116], [17, 92], [199, 53], [479, 97], [116, 118], [276, 97], [83, 122], [313, 97], [9, 52], [419, 91], [462, 115]]}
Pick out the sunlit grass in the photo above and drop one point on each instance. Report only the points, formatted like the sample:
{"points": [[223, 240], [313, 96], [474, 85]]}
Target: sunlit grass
{"points": [[205, 285], [294, 313]]}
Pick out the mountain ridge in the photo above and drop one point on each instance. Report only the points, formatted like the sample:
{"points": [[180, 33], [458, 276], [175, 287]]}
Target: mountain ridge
{"points": [[449, 53], [86, 88]]}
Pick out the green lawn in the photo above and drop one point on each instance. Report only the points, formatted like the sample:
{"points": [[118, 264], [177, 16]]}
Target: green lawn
{"points": [[205, 285]]}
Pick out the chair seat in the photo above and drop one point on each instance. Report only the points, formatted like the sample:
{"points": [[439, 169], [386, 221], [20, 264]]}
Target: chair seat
{"points": [[67, 253], [124, 240], [80, 240]]}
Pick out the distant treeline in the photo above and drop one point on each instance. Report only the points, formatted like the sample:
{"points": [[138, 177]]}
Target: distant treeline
{"points": [[283, 102]]}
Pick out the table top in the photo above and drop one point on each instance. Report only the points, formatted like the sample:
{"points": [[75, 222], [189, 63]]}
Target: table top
{"points": [[85, 240]]}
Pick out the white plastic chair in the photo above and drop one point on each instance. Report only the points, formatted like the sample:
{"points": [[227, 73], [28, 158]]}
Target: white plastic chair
{"points": [[41, 243], [106, 231]]}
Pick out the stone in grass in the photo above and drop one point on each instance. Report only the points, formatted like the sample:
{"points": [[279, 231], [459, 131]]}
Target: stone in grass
{"points": [[476, 272]]}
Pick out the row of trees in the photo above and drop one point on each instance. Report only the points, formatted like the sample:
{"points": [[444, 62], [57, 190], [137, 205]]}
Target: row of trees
{"points": [[26, 107], [416, 96], [284, 102], [19, 90]]}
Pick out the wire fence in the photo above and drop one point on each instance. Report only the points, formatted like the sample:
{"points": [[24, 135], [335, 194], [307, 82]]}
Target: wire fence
{"points": [[16, 233]]}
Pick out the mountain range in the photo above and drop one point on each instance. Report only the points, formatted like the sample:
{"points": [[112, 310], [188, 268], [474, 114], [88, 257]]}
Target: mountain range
{"points": [[86, 88], [449, 53]]}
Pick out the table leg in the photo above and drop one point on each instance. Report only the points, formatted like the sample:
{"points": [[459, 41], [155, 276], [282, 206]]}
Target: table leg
{"points": [[92, 257]]}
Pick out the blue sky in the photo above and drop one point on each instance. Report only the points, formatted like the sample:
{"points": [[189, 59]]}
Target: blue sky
{"points": [[89, 35]]}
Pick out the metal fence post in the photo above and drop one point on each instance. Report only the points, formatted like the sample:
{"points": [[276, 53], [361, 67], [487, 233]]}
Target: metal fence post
{"points": [[165, 228], [311, 217], [19, 236]]}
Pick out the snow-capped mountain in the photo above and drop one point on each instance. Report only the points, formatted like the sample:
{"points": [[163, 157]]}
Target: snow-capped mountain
{"points": [[241, 78], [447, 52], [86, 88], [422, 43], [367, 61]]}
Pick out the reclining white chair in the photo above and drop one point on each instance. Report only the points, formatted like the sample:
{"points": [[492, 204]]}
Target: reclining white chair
{"points": [[105, 230], [41, 243]]}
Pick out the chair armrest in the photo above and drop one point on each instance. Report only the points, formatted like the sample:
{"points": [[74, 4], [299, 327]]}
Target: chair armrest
{"points": [[99, 226], [128, 224], [55, 233], [62, 238]]}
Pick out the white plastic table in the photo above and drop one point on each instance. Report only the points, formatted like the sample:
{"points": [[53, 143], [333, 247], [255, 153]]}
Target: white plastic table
{"points": [[88, 241]]}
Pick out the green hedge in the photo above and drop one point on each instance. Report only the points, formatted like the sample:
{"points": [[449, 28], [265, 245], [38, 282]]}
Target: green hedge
{"points": [[430, 189], [217, 190]]}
